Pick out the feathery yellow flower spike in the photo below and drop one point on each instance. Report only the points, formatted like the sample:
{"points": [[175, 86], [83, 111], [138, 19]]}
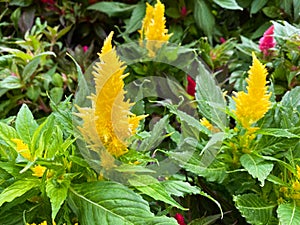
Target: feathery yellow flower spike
{"points": [[153, 27], [252, 106], [109, 122]]}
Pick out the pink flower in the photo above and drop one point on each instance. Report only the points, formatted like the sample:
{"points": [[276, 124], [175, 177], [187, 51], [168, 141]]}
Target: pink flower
{"points": [[180, 219], [191, 87], [222, 40], [183, 11], [267, 41], [85, 48]]}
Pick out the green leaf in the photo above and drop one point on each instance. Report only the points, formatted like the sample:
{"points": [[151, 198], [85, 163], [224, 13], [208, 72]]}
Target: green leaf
{"points": [[7, 133], [257, 5], [150, 186], [157, 135], [25, 124], [255, 209], [11, 82], [22, 3], [276, 132], [107, 203], [30, 68], [17, 189], [135, 21], [214, 172], [63, 32], [228, 4], [207, 220], [57, 191], [211, 103], [56, 94], [83, 87], [113, 8], [256, 166], [289, 213], [179, 188], [204, 18]]}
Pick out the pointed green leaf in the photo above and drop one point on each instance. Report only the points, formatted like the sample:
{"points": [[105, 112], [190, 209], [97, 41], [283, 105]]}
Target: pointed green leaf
{"points": [[150, 186], [179, 188], [255, 209], [276, 132], [228, 4], [204, 18], [211, 103], [57, 193], [257, 167], [107, 203], [157, 135], [25, 124], [289, 213], [17, 189], [135, 21]]}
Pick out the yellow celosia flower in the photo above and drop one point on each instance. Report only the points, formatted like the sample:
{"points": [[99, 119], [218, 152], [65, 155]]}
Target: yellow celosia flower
{"points": [[38, 170], [22, 148], [252, 106], [114, 123], [153, 27]]}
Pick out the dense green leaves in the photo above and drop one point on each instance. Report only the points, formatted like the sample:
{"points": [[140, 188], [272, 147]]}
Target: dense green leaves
{"points": [[255, 209], [57, 191], [150, 186], [109, 203], [17, 189], [289, 213], [256, 166], [211, 103]]}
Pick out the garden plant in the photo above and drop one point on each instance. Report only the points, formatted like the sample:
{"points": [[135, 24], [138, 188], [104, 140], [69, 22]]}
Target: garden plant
{"points": [[149, 112]]}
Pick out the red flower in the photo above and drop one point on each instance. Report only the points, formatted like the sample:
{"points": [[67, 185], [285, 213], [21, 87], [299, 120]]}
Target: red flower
{"points": [[49, 2], [191, 87], [222, 40], [267, 41], [179, 218], [183, 11]]}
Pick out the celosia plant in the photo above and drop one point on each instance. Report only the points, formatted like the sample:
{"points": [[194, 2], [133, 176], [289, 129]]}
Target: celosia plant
{"points": [[109, 123], [153, 29]]}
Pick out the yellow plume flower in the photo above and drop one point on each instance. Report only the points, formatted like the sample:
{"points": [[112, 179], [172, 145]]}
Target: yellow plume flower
{"points": [[252, 106], [153, 27], [109, 122]]}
